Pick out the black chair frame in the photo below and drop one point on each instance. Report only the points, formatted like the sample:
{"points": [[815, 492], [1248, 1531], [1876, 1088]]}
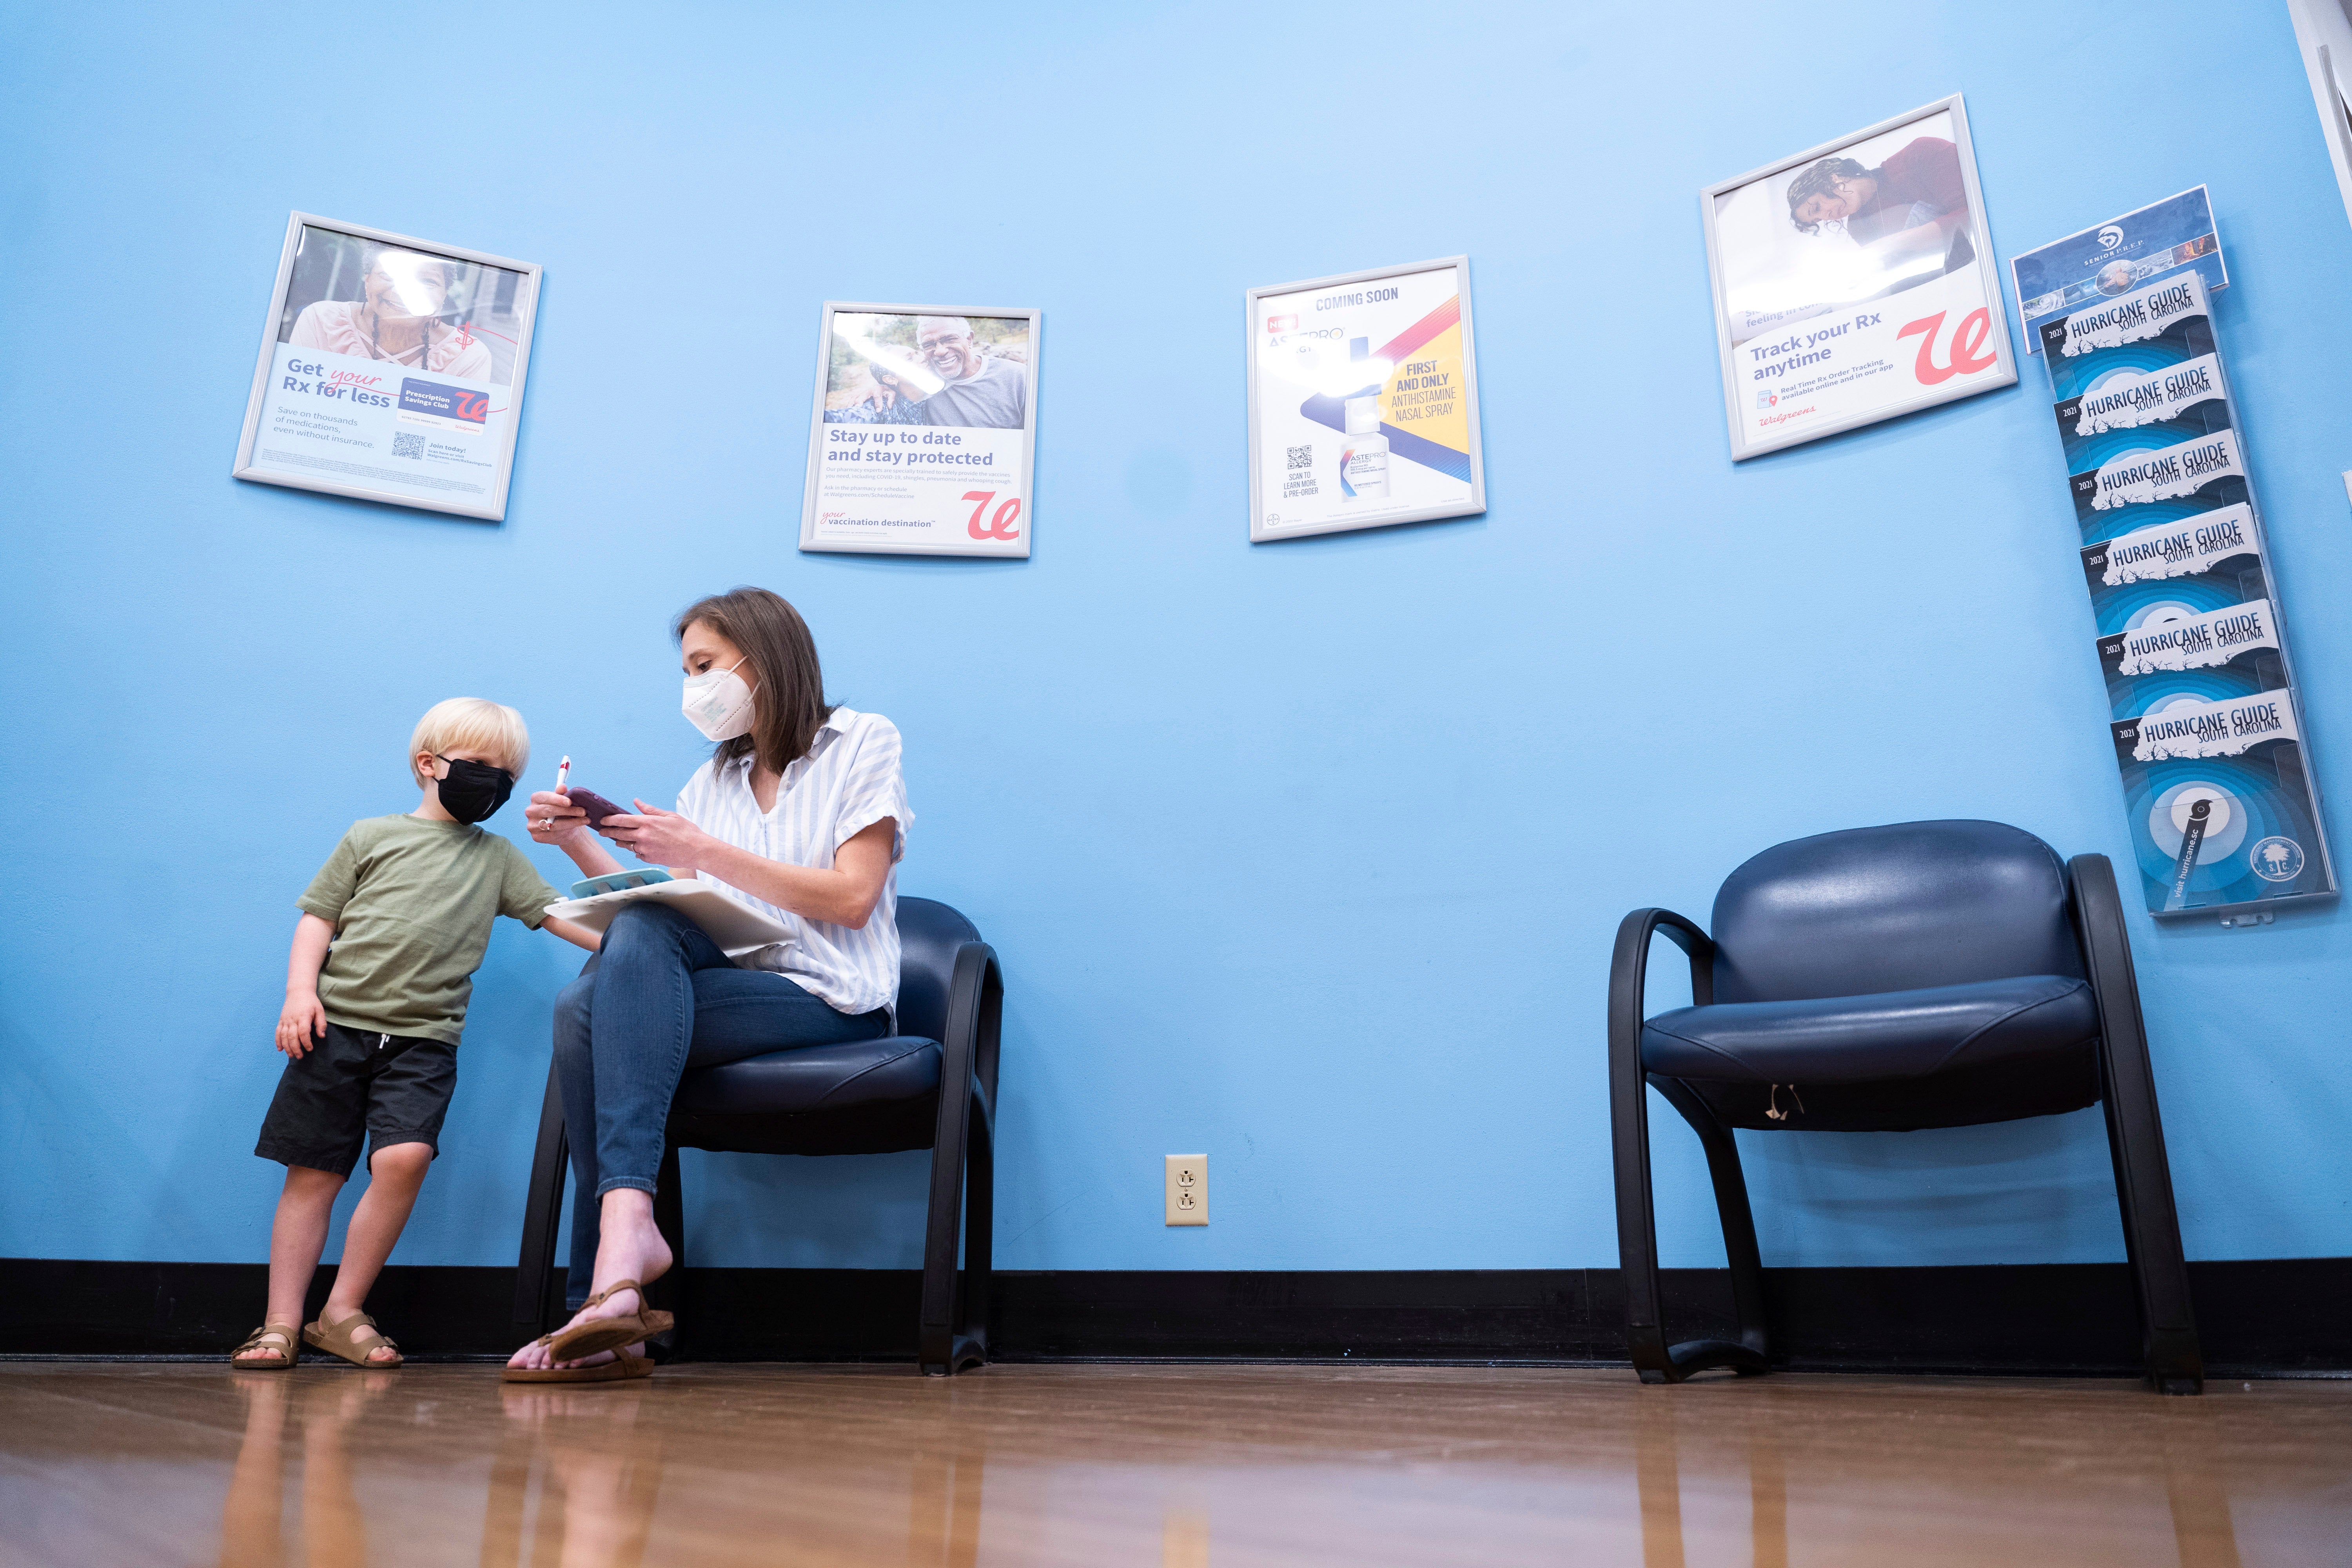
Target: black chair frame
{"points": [[954, 1324], [2151, 1226]]}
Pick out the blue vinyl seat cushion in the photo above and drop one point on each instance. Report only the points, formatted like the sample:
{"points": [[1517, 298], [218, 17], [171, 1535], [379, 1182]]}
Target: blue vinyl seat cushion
{"points": [[853, 1075], [1892, 1036]]}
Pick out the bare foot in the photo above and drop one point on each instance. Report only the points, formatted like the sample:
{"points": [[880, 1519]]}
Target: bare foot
{"points": [[629, 1246]]}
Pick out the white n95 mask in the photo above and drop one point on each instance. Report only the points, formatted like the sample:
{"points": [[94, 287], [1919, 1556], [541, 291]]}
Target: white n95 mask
{"points": [[719, 704]]}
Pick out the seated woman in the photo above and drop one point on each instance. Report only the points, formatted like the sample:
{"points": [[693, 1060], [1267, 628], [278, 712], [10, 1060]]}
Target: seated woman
{"points": [[801, 813]]}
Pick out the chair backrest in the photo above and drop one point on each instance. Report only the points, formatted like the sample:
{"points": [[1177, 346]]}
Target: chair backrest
{"points": [[1898, 908], [930, 932]]}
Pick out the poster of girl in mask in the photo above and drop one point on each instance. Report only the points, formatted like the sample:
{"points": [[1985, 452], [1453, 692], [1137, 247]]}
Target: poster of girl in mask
{"points": [[392, 370], [1852, 282]]}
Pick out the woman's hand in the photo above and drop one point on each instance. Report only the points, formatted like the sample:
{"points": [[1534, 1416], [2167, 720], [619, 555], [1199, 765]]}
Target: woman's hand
{"points": [[301, 1024], [658, 838], [553, 817]]}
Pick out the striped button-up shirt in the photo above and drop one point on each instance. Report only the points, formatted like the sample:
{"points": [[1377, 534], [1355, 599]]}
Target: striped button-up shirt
{"points": [[848, 781]]}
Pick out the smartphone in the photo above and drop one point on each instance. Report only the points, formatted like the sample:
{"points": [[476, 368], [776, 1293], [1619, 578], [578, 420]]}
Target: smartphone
{"points": [[598, 807]]}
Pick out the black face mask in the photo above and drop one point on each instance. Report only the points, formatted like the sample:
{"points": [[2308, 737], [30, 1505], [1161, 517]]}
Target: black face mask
{"points": [[474, 791]]}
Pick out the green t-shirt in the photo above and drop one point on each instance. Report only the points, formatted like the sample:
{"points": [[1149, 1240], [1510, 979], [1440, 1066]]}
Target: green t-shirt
{"points": [[412, 902]]}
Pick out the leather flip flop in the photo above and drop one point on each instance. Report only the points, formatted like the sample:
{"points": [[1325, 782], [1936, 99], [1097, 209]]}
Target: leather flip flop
{"points": [[287, 1348], [624, 1367], [610, 1333], [341, 1338]]}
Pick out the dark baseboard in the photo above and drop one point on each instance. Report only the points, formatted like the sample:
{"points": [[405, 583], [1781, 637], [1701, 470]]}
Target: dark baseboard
{"points": [[2269, 1318]]}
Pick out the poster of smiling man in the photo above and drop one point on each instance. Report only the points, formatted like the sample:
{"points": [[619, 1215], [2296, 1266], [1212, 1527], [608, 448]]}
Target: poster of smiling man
{"points": [[1856, 282], [391, 369], [921, 436]]}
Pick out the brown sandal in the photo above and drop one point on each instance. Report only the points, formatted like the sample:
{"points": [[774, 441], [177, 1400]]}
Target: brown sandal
{"points": [[624, 1367], [609, 1333], [287, 1348], [343, 1338]]}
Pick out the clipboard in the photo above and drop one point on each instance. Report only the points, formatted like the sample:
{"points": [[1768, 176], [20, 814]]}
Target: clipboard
{"points": [[738, 930]]}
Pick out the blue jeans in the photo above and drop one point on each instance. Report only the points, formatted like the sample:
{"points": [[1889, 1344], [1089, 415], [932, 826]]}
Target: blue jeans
{"points": [[658, 999]]}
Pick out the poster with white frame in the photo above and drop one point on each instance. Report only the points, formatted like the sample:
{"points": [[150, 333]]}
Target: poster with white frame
{"points": [[1363, 401], [391, 369], [1856, 282], [923, 431]]}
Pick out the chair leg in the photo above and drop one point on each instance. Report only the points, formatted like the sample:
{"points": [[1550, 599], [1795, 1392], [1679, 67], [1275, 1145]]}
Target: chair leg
{"points": [[542, 1218], [2169, 1344], [1637, 1245], [1740, 1249], [979, 1224], [1637, 1229], [935, 1335], [670, 1218]]}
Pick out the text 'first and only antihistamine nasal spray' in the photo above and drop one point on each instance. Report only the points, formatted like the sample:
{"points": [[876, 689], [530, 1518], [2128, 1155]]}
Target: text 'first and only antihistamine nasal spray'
{"points": [[1364, 461]]}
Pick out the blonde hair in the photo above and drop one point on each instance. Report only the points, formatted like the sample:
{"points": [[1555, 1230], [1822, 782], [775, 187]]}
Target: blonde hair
{"points": [[472, 724]]}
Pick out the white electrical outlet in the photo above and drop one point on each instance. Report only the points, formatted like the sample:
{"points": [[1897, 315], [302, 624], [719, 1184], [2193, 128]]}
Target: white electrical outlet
{"points": [[1188, 1189]]}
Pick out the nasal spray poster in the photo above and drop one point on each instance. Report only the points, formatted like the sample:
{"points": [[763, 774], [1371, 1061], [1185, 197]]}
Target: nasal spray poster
{"points": [[392, 370], [1854, 283], [922, 431], [2203, 712], [1363, 401]]}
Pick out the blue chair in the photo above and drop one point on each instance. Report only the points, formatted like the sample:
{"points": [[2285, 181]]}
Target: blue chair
{"points": [[1886, 979], [932, 1086]]}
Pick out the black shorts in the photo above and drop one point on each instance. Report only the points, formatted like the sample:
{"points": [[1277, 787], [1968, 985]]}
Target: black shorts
{"points": [[354, 1087]]}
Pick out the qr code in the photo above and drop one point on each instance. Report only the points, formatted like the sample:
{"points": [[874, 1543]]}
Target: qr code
{"points": [[409, 447], [1302, 457]]}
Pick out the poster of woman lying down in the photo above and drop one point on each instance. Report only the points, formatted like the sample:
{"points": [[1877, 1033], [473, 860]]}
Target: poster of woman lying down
{"points": [[1851, 282]]}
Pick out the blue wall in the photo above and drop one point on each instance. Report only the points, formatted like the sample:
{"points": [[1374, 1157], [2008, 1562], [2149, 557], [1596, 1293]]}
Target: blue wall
{"points": [[1307, 855]]}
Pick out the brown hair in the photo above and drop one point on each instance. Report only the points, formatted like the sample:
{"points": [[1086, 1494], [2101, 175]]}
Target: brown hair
{"points": [[1818, 181], [784, 672]]}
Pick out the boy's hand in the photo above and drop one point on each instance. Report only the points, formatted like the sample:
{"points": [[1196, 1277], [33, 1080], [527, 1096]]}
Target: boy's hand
{"points": [[302, 1026]]}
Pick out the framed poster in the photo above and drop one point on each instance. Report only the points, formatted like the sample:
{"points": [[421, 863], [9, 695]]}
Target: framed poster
{"points": [[923, 431], [2118, 257], [390, 369], [1363, 401], [1856, 282]]}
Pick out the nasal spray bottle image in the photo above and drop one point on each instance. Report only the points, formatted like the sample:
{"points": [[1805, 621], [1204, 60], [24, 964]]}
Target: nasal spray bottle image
{"points": [[2193, 840], [1364, 460]]}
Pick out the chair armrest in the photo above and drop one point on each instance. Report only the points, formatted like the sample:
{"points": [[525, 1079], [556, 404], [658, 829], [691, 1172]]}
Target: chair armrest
{"points": [[1629, 970], [974, 1020], [2107, 943], [1629, 967]]}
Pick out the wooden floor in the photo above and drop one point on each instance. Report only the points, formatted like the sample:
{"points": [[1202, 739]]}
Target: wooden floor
{"points": [[1156, 1466]]}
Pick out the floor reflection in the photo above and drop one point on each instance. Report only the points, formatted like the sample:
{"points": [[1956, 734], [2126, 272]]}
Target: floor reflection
{"points": [[2195, 1484], [1658, 1480], [572, 1483], [1180, 1466], [305, 1425], [574, 1476], [2178, 1438]]}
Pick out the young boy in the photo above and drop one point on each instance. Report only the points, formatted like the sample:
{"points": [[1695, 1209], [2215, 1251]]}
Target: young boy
{"points": [[371, 1027]]}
